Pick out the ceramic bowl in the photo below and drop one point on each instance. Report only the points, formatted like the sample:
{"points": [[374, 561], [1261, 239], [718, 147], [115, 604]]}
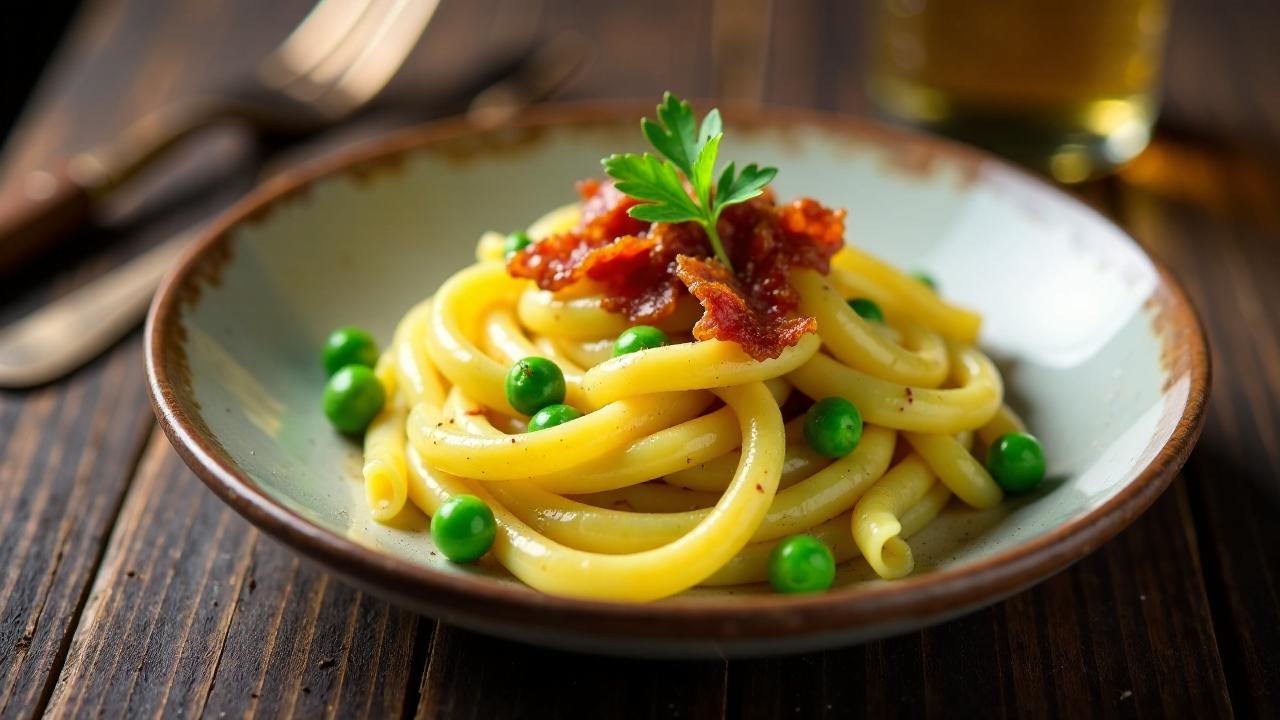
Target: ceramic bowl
{"points": [[1101, 353]]}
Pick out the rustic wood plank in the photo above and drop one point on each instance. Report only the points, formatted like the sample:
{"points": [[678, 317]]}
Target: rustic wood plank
{"points": [[161, 602], [68, 454], [194, 612], [70, 448], [123, 59], [483, 678], [300, 639], [1204, 200], [1212, 216], [818, 54], [631, 59], [1220, 79]]}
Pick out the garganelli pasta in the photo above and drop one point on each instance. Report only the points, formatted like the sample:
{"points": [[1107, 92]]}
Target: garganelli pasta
{"points": [[654, 428], [633, 460]]}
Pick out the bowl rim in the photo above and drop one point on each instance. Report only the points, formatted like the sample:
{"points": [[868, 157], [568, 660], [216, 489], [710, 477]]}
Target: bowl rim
{"points": [[460, 595]]}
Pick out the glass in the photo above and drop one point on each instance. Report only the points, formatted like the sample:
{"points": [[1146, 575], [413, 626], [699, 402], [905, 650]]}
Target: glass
{"points": [[1069, 87]]}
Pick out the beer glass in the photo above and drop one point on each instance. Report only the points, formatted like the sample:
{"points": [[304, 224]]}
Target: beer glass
{"points": [[1068, 87]]}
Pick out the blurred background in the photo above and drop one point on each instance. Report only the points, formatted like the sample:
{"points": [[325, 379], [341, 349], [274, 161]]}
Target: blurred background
{"points": [[817, 54], [1073, 91]]}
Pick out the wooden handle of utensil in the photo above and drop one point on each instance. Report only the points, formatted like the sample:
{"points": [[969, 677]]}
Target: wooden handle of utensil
{"points": [[37, 213], [46, 208]]}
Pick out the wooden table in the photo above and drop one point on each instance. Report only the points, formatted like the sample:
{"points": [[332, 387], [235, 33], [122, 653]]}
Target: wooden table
{"points": [[126, 587]]}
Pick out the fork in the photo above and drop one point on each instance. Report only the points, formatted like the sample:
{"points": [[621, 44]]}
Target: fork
{"points": [[73, 329], [332, 64]]}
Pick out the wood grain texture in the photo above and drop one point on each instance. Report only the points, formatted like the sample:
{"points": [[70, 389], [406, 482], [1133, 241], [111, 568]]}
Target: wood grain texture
{"points": [[70, 449], [1203, 199], [630, 60], [817, 54], [193, 612], [480, 678], [69, 452], [128, 589], [1230, 266]]}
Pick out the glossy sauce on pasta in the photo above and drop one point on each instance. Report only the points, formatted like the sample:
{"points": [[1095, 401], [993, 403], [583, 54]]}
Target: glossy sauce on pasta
{"points": [[683, 470]]}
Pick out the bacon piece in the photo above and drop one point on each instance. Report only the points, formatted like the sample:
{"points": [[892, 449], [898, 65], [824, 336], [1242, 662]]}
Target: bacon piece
{"points": [[639, 272], [812, 232], [636, 269], [554, 262], [729, 316], [604, 213], [642, 268], [764, 243]]}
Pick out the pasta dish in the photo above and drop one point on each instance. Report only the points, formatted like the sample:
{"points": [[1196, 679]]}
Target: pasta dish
{"points": [[679, 380]]}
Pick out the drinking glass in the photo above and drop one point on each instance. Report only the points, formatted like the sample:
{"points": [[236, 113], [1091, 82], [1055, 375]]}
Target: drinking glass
{"points": [[1068, 87]]}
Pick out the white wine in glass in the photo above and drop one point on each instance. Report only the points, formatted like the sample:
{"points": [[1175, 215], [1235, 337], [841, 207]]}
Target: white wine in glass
{"points": [[1069, 87]]}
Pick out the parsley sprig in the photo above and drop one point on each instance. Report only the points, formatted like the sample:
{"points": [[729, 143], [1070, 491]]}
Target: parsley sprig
{"points": [[690, 150]]}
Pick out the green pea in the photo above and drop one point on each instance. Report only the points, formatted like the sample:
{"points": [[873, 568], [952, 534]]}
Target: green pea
{"points": [[1016, 461], [352, 397], [867, 309], [551, 416], [800, 564], [534, 383], [349, 346], [833, 427], [640, 337], [927, 279], [516, 242], [463, 528]]}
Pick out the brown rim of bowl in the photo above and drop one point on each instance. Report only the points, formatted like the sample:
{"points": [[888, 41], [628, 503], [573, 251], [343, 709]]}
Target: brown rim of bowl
{"points": [[674, 619]]}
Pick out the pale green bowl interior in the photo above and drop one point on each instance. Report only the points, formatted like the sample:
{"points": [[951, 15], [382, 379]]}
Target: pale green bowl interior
{"points": [[1063, 293]]}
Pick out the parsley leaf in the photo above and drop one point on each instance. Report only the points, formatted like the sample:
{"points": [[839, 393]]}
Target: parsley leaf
{"points": [[645, 177], [732, 190], [691, 150]]}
